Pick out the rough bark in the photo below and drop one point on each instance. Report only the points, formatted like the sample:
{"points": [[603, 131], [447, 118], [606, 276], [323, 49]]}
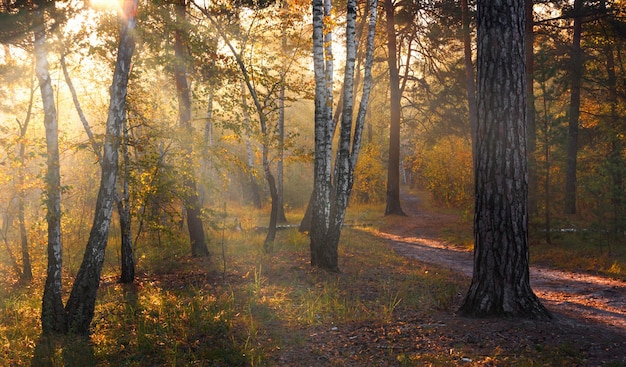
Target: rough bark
{"points": [[53, 318], [576, 72], [500, 284], [81, 303], [190, 198], [393, 206]]}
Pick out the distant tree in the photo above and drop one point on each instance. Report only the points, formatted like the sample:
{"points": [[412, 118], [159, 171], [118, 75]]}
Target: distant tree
{"points": [[469, 73], [190, 196], [394, 206], [500, 284], [576, 74]]}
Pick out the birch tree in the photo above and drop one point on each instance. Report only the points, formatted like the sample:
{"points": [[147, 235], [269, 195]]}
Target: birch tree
{"points": [[52, 313], [332, 192], [81, 303]]}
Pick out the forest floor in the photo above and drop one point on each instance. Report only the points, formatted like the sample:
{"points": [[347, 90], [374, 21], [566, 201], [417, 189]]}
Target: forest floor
{"points": [[589, 326]]}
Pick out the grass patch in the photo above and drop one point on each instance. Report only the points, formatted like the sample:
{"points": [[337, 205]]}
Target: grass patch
{"points": [[581, 253], [248, 308]]}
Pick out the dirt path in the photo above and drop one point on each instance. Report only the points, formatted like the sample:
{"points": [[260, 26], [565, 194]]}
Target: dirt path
{"points": [[572, 297]]}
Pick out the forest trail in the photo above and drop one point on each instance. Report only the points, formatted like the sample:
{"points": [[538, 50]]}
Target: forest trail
{"points": [[571, 297]]}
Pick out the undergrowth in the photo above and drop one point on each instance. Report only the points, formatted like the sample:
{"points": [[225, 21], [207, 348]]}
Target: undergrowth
{"points": [[240, 308]]}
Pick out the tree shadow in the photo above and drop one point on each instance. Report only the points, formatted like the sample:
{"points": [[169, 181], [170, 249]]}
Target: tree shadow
{"points": [[64, 350]]}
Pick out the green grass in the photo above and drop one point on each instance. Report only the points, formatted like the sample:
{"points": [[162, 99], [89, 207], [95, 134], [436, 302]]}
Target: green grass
{"points": [[240, 309]]}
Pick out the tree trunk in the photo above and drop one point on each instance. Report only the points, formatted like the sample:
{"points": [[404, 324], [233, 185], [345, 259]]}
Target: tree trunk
{"points": [[469, 76], [255, 193], [500, 284], [123, 208], [576, 72], [53, 319], [81, 303], [27, 272], [531, 130], [393, 165], [281, 151], [323, 70], [331, 199], [190, 198], [615, 159]]}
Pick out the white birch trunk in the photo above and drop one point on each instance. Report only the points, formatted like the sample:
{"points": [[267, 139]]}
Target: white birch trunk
{"points": [[52, 312], [81, 304]]}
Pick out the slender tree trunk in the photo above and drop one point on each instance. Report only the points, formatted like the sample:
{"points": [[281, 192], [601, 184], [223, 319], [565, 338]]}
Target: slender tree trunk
{"points": [[500, 283], [576, 72], [190, 198], [615, 160], [122, 204], [393, 166], [548, 163], [254, 186], [469, 76], [531, 129], [27, 272], [123, 208], [81, 303], [281, 218], [53, 318]]}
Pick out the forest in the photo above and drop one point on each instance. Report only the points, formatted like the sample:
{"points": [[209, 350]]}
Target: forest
{"points": [[295, 183]]}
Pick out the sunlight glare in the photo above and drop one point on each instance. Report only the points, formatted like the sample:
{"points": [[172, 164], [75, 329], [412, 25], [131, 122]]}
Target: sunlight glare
{"points": [[106, 4]]}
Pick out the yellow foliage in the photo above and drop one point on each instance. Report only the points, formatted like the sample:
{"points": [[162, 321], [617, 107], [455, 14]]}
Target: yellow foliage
{"points": [[446, 170], [369, 176]]}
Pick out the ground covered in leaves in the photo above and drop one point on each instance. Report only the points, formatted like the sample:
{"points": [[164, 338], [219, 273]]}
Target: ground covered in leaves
{"points": [[393, 304], [437, 336]]}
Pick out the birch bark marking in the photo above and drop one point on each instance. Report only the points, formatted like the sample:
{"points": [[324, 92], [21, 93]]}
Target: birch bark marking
{"points": [[52, 313], [322, 63], [81, 303]]}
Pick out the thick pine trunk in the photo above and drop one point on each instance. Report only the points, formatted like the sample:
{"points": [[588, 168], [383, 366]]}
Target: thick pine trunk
{"points": [[81, 303], [576, 72], [393, 165], [500, 284], [190, 198], [53, 319]]}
